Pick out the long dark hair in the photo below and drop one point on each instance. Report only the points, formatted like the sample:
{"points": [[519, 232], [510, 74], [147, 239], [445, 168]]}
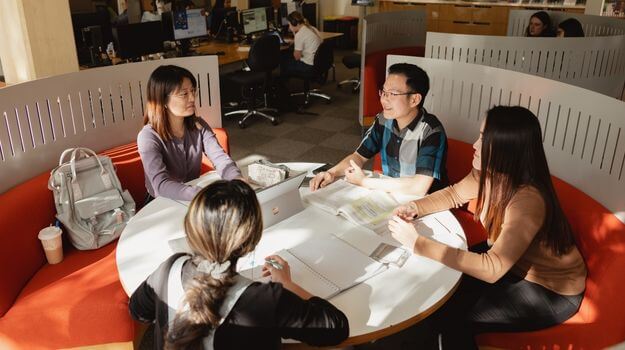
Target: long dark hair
{"points": [[224, 222], [164, 81], [296, 18], [572, 28], [513, 157], [544, 18]]}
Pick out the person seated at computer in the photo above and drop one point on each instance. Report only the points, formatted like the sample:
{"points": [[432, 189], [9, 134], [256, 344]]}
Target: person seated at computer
{"points": [[540, 25], [173, 139], [158, 7], [412, 142], [529, 275], [570, 28], [306, 41], [215, 307]]}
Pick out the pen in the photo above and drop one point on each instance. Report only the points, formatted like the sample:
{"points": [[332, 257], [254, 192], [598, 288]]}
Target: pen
{"points": [[274, 263]]}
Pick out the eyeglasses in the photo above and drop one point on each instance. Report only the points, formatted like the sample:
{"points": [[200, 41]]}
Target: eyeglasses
{"points": [[390, 94], [186, 94]]}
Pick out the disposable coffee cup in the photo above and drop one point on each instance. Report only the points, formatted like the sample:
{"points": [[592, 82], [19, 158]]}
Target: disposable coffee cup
{"points": [[52, 244]]}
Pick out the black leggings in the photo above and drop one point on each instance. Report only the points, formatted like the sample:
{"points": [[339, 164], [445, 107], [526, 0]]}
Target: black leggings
{"points": [[512, 304]]}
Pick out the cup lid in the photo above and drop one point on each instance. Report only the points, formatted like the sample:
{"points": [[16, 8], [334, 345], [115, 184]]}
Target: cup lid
{"points": [[49, 232]]}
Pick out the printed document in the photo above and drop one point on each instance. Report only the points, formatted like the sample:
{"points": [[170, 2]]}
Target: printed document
{"points": [[361, 206]]}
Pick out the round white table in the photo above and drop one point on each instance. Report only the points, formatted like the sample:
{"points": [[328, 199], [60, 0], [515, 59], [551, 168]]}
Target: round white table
{"points": [[382, 305]]}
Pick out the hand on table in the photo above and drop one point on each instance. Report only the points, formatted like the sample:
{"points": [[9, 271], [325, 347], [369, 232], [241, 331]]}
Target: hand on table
{"points": [[403, 231], [321, 180], [282, 275], [354, 174], [406, 211]]}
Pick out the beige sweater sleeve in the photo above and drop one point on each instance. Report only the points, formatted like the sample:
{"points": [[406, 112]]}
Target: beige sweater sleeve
{"points": [[523, 218], [452, 196]]}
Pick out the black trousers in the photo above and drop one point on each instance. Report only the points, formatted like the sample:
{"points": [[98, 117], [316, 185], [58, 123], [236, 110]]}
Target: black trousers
{"points": [[512, 304]]}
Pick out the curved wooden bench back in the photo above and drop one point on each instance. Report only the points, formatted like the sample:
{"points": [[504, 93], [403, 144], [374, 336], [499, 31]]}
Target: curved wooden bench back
{"points": [[594, 63], [96, 108], [593, 25]]}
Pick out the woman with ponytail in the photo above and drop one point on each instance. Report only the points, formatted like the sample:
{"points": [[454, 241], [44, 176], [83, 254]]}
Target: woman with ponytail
{"points": [[198, 301], [306, 41]]}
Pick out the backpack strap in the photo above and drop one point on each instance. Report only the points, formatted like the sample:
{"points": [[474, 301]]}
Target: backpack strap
{"points": [[175, 297], [175, 292], [232, 296]]}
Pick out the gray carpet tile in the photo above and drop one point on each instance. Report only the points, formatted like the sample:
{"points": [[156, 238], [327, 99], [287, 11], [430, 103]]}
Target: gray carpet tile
{"points": [[237, 153], [309, 135], [284, 148], [302, 118], [343, 112], [330, 124], [321, 154], [251, 139], [344, 142]]}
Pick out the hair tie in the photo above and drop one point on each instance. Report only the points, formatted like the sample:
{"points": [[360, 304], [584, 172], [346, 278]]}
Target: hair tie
{"points": [[215, 269]]}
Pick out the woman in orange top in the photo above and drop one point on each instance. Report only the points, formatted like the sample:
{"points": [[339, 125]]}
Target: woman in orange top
{"points": [[529, 275]]}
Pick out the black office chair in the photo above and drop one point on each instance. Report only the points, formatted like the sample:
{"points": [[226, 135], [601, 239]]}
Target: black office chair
{"points": [[263, 58], [324, 57], [352, 61]]}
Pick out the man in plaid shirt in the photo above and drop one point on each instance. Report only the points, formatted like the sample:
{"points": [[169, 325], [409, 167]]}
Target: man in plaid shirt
{"points": [[411, 142]]}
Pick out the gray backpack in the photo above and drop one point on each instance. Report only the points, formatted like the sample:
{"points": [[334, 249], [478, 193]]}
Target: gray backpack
{"points": [[89, 198]]}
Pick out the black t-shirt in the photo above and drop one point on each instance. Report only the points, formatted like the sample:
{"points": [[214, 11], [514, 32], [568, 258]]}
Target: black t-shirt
{"points": [[265, 313]]}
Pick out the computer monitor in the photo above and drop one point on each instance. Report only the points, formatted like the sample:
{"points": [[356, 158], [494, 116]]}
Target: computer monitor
{"points": [[188, 24], [138, 39], [254, 20]]}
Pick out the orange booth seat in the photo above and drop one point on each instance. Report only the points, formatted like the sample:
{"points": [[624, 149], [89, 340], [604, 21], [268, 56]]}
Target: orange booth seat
{"points": [[600, 237], [78, 302]]}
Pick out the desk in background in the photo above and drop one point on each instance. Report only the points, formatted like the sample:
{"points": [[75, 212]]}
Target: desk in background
{"points": [[231, 51], [385, 304]]}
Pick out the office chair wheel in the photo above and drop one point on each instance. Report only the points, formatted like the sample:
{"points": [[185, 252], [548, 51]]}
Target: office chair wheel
{"points": [[242, 125], [275, 121]]}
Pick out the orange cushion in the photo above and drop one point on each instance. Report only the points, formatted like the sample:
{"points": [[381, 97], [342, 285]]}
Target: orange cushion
{"points": [[459, 160], [600, 237], [222, 138], [75, 303], [129, 170], [473, 230], [24, 210]]}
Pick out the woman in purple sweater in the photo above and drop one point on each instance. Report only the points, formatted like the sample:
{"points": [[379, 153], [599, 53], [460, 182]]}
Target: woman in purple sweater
{"points": [[173, 138]]}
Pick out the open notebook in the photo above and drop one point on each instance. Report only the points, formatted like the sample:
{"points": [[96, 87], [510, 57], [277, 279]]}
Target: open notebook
{"points": [[325, 266], [359, 205]]}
